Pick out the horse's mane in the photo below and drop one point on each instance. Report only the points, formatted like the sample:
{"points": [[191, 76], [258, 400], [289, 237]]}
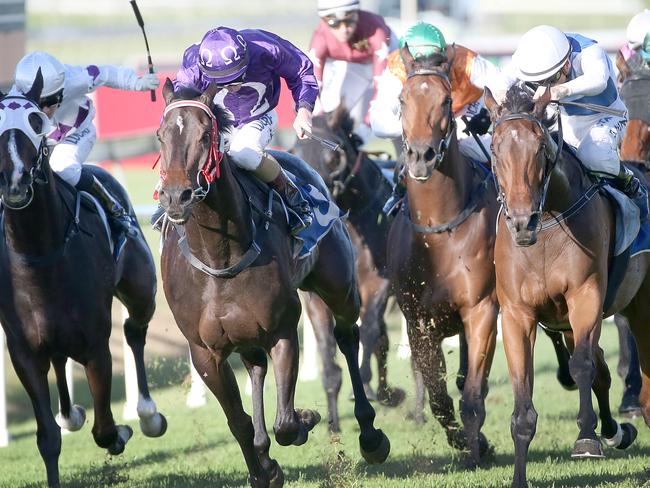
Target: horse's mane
{"points": [[340, 119], [519, 99], [224, 121]]}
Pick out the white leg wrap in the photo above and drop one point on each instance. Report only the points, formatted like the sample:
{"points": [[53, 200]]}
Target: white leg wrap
{"points": [[146, 407], [76, 420], [151, 422], [617, 439]]}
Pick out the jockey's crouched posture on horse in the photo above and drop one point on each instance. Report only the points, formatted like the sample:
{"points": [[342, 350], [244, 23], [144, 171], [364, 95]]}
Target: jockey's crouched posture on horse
{"points": [[468, 75], [64, 100], [577, 69], [349, 50], [247, 66]]}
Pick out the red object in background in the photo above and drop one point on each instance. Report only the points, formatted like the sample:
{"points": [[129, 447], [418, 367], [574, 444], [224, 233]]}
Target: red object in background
{"points": [[125, 114]]}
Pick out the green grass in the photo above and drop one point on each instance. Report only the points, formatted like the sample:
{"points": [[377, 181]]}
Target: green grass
{"points": [[198, 450]]}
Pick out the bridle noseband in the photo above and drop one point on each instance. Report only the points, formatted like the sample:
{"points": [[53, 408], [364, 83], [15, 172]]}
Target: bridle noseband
{"points": [[548, 167], [440, 152]]}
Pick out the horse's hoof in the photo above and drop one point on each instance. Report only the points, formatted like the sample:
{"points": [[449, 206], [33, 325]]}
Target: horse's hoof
{"points": [[587, 448], [566, 381], [378, 454], [301, 438], [124, 433], [624, 437], [277, 479], [391, 397], [154, 426], [484, 447], [630, 407], [308, 418], [76, 420], [334, 427]]}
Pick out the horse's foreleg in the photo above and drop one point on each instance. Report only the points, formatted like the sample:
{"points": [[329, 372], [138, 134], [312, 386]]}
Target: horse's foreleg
{"points": [[585, 319], [291, 426], [33, 375], [427, 352], [639, 325], [562, 354], [152, 423], [323, 323], [218, 376], [70, 417], [256, 365], [628, 368], [519, 330], [481, 331], [463, 360], [620, 436], [374, 304], [106, 434], [418, 415]]}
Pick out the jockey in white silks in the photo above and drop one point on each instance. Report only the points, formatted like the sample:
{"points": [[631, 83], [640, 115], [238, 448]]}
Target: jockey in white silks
{"points": [[468, 75], [64, 100], [577, 69], [349, 50]]}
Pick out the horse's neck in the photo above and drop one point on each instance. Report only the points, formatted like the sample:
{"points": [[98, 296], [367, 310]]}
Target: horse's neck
{"points": [[567, 183], [40, 227], [445, 194], [220, 228]]}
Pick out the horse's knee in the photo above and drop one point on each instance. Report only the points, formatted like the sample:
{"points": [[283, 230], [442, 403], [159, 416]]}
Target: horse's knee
{"points": [[472, 409], [523, 423]]}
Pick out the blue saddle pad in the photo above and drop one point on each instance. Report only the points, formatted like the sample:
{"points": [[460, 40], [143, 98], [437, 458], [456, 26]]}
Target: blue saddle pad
{"points": [[642, 242]]}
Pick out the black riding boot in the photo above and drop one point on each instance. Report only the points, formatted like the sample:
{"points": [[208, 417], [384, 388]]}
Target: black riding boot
{"points": [[118, 218], [629, 184], [294, 200]]}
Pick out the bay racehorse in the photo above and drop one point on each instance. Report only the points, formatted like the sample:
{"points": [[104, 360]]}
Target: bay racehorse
{"points": [[441, 252], [358, 186], [243, 298], [554, 242], [57, 282]]}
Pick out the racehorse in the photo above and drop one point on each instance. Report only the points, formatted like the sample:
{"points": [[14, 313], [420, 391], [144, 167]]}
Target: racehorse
{"points": [[441, 252], [358, 186], [57, 282], [553, 247], [230, 278]]}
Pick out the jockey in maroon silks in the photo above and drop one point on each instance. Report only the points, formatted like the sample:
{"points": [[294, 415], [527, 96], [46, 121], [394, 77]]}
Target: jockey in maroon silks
{"points": [[247, 65]]}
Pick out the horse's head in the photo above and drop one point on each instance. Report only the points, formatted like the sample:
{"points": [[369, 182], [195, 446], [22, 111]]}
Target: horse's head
{"points": [[523, 157], [189, 149], [23, 147], [427, 118], [335, 167], [635, 92]]}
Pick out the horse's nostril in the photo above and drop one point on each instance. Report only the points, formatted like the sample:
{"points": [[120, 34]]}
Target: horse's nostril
{"points": [[186, 196], [429, 154]]}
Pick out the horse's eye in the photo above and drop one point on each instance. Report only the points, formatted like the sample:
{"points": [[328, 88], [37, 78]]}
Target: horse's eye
{"points": [[36, 122], [401, 100]]}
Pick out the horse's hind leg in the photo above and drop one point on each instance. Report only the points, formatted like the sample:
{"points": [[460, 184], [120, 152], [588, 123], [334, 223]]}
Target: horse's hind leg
{"points": [[620, 436], [106, 434], [137, 291], [563, 374], [374, 304], [256, 364], [323, 323], [70, 417], [639, 325], [628, 369], [33, 375], [219, 377]]}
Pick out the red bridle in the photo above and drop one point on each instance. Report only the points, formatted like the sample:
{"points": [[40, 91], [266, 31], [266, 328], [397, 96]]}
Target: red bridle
{"points": [[210, 169]]}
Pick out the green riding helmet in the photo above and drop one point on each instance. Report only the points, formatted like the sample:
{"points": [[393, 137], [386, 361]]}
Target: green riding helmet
{"points": [[423, 40], [645, 47]]}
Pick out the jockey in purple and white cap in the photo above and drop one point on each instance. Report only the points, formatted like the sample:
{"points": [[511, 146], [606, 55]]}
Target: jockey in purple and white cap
{"points": [[248, 65]]}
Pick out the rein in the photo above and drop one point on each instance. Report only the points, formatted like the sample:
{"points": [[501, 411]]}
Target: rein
{"points": [[546, 177]]}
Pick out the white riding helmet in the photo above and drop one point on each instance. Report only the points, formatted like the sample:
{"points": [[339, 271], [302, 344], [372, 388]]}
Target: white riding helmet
{"points": [[542, 51], [51, 68], [638, 27], [337, 7]]}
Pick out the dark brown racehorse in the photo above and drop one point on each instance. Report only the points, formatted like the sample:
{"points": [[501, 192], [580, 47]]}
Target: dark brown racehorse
{"points": [[57, 282], [359, 187], [441, 252], [553, 247], [243, 298]]}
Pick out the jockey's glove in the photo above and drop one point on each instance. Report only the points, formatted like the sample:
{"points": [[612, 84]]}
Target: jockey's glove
{"points": [[147, 82], [302, 123]]}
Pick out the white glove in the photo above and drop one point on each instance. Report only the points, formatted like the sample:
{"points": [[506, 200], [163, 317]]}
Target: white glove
{"points": [[146, 82], [558, 92], [302, 123]]}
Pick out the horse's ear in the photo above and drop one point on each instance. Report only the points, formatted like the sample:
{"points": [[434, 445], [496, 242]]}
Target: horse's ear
{"points": [[207, 97], [491, 104], [541, 103], [168, 91], [624, 69], [407, 58], [35, 91]]}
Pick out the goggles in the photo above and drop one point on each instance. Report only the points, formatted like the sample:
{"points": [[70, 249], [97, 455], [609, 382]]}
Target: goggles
{"points": [[350, 19]]}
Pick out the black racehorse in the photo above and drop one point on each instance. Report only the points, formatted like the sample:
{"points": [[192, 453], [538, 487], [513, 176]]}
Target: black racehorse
{"points": [[57, 282]]}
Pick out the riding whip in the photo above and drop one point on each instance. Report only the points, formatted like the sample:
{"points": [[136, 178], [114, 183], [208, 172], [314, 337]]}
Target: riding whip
{"points": [[595, 107], [138, 16], [328, 144]]}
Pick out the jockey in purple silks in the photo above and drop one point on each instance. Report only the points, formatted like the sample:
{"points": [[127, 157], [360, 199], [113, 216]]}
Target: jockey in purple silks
{"points": [[248, 65]]}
